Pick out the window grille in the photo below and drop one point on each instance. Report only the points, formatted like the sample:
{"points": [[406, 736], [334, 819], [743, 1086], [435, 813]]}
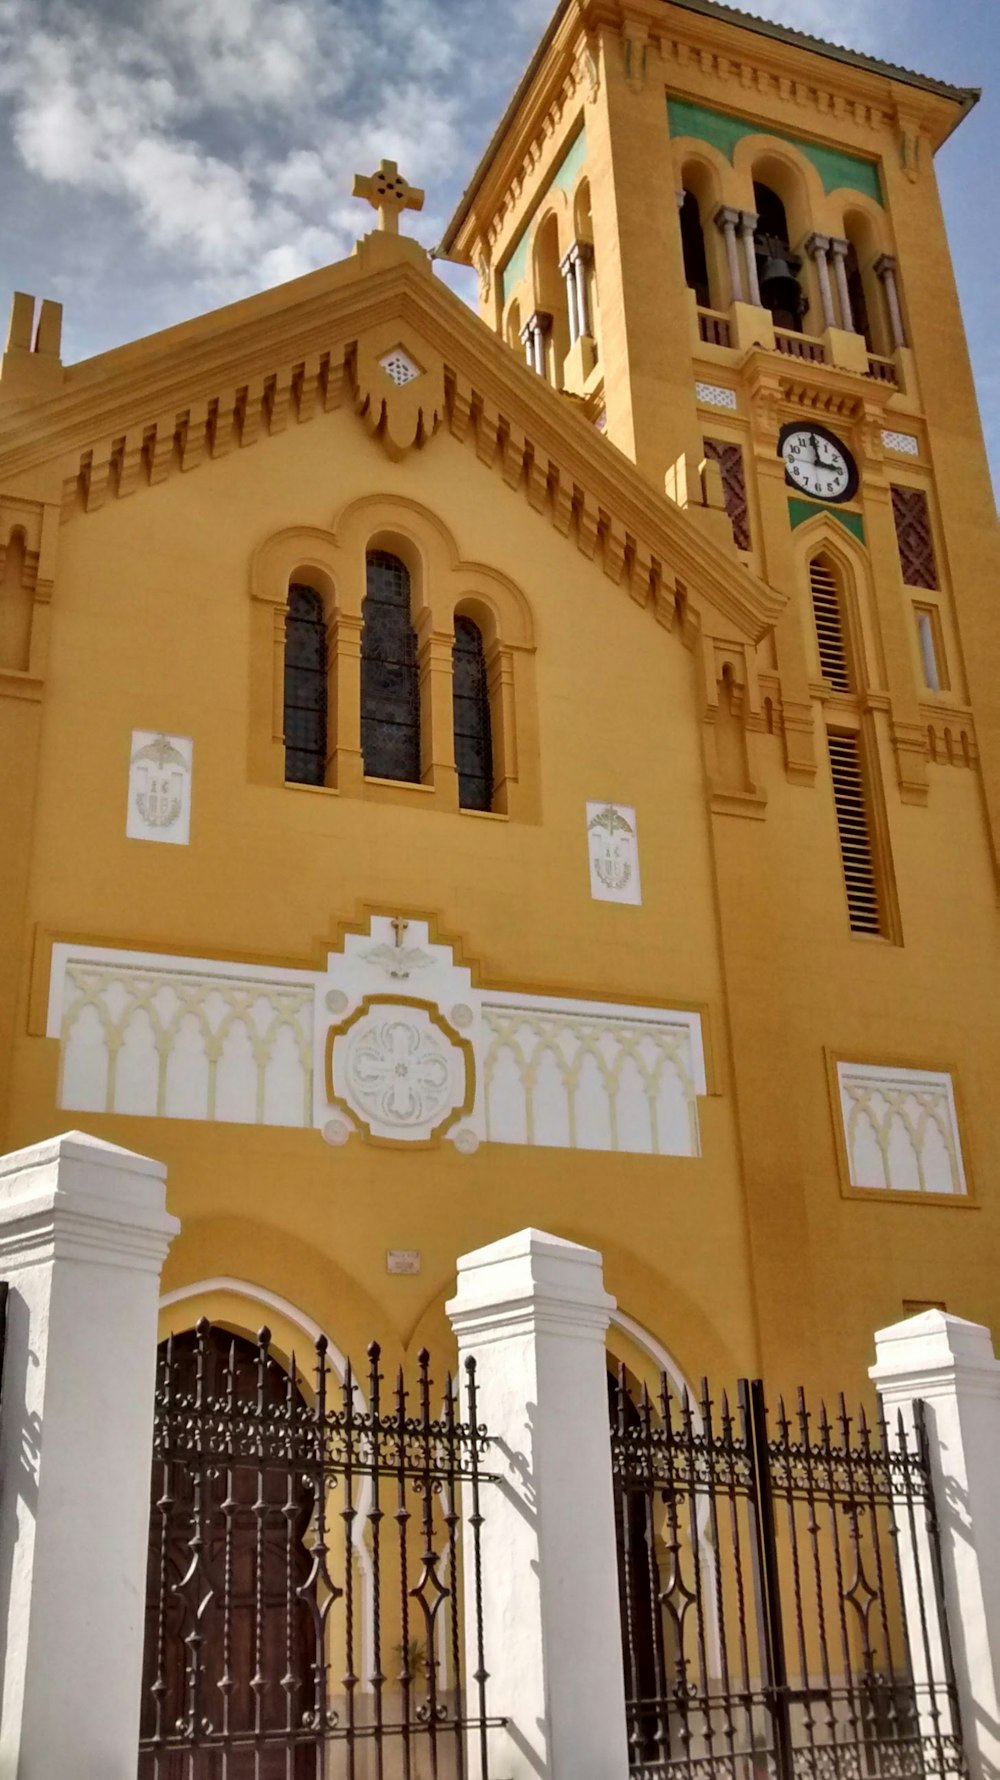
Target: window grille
{"points": [[471, 705], [305, 688], [734, 487], [390, 695], [828, 613], [911, 512], [847, 768], [399, 366]]}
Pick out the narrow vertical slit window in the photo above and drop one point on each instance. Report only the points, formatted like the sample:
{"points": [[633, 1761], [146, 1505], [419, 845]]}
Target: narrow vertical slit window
{"points": [[855, 829], [305, 688], [734, 487], [931, 648], [911, 511], [390, 690], [471, 704], [828, 615]]}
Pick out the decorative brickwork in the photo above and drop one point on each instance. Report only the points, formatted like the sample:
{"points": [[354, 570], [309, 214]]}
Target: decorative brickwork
{"points": [[730, 461], [913, 533]]}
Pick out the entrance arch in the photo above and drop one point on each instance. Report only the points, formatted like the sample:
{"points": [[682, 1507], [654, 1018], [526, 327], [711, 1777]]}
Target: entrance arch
{"points": [[227, 1634]]}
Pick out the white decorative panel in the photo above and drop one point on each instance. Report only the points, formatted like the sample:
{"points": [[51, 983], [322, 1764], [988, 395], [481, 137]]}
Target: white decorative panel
{"points": [[715, 395], [159, 788], [904, 442], [391, 1041], [613, 850], [181, 1038], [591, 1076], [900, 1129], [400, 366]]}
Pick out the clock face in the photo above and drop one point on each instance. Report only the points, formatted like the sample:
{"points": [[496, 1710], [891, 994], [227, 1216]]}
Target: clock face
{"points": [[817, 463]]}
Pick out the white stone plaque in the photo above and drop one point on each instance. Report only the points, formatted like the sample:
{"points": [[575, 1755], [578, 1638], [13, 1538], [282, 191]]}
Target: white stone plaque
{"points": [[402, 1260], [613, 849], [159, 788]]}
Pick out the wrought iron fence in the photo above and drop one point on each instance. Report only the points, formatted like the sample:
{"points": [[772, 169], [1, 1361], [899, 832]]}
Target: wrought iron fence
{"points": [[306, 1571], [770, 1629]]}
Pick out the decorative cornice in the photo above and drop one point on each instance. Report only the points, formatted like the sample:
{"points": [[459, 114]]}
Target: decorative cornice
{"points": [[164, 409], [741, 52]]}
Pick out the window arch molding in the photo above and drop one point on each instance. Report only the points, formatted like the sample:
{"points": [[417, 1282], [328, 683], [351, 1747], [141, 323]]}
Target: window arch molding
{"points": [[443, 583], [766, 160], [826, 538]]}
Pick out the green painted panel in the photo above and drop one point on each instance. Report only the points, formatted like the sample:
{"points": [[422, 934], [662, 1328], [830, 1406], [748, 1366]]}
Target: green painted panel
{"points": [[799, 511], [835, 166], [516, 266], [563, 180], [565, 174]]}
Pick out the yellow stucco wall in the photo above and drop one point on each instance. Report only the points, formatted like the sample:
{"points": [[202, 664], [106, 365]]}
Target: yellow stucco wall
{"points": [[748, 1257]]}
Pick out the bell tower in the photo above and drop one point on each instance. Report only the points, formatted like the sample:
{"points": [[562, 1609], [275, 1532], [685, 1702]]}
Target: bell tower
{"points": [[679, 198]]}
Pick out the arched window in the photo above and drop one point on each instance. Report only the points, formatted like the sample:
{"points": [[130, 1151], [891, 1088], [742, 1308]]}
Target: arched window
{"points": [[305, 687], [693, 243], [551, 302], [390, 690], [471, 705]]}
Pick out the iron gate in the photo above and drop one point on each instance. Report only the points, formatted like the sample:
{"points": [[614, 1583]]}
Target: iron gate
{"points": [[770, 1630], [306, 1571]]}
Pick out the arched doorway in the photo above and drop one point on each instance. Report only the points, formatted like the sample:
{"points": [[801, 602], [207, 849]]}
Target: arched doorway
{"points": [[228, 1638]]}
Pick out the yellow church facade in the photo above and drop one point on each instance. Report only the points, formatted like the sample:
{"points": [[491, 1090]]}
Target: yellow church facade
{"points": [[536, 768]]}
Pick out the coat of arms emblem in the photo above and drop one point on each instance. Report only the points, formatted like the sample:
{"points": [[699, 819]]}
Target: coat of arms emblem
{"points": [[160, 777], [614, 859]]}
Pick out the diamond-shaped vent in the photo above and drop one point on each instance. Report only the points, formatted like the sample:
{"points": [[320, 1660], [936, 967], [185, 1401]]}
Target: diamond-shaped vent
{"points": [[398, 365]]}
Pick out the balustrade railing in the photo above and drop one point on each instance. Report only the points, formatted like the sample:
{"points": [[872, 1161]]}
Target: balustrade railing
{"points": [[882, 369], [799, 346], [713, 328]]}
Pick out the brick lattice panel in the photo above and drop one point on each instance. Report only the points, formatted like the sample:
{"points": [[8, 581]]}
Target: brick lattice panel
{"points": [[734, 487], [913, 533]]}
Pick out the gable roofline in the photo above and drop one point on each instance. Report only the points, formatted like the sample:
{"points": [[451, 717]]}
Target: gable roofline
{"points": [[964, 98], [154, 396]]}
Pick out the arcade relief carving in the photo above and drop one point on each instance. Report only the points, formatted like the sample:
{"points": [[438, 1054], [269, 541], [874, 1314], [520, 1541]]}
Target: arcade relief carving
{"points": [[392, 1043]]}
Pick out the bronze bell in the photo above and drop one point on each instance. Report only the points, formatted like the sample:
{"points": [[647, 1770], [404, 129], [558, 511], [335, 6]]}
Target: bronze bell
{"points": [[779, 287]]}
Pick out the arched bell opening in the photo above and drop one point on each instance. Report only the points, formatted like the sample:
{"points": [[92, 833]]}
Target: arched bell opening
{"points": [[778, 267]]}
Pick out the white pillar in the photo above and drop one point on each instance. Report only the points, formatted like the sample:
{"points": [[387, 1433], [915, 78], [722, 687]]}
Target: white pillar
{"points": [[817, 247], [840, 250], [569, 278], [885, 269], [83, 1236], [583, 253], [726, 220], [533, 1311], [748, 228], [949, 1365]]}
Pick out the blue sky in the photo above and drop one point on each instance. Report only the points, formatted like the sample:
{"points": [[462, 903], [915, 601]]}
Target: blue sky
{"points": [[157, 160]]}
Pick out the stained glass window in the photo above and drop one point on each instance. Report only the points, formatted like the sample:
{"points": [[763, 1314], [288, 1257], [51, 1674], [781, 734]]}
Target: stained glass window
{"points": [[471, 703], [390, 694], [305, 688]]}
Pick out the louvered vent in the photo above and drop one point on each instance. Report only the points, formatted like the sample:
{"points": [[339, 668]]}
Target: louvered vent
{"points": [[829, 618], [854, 828]]}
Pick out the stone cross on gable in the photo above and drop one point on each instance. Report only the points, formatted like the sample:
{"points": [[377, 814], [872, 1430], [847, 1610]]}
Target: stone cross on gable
{"points": [[388, 193]]}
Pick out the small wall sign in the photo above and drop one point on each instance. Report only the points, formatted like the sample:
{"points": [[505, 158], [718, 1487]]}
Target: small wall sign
{"points": [[402, 1260]]}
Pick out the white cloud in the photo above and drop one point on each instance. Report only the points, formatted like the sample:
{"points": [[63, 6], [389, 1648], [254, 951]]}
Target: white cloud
{"points": [[228, 130]]}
